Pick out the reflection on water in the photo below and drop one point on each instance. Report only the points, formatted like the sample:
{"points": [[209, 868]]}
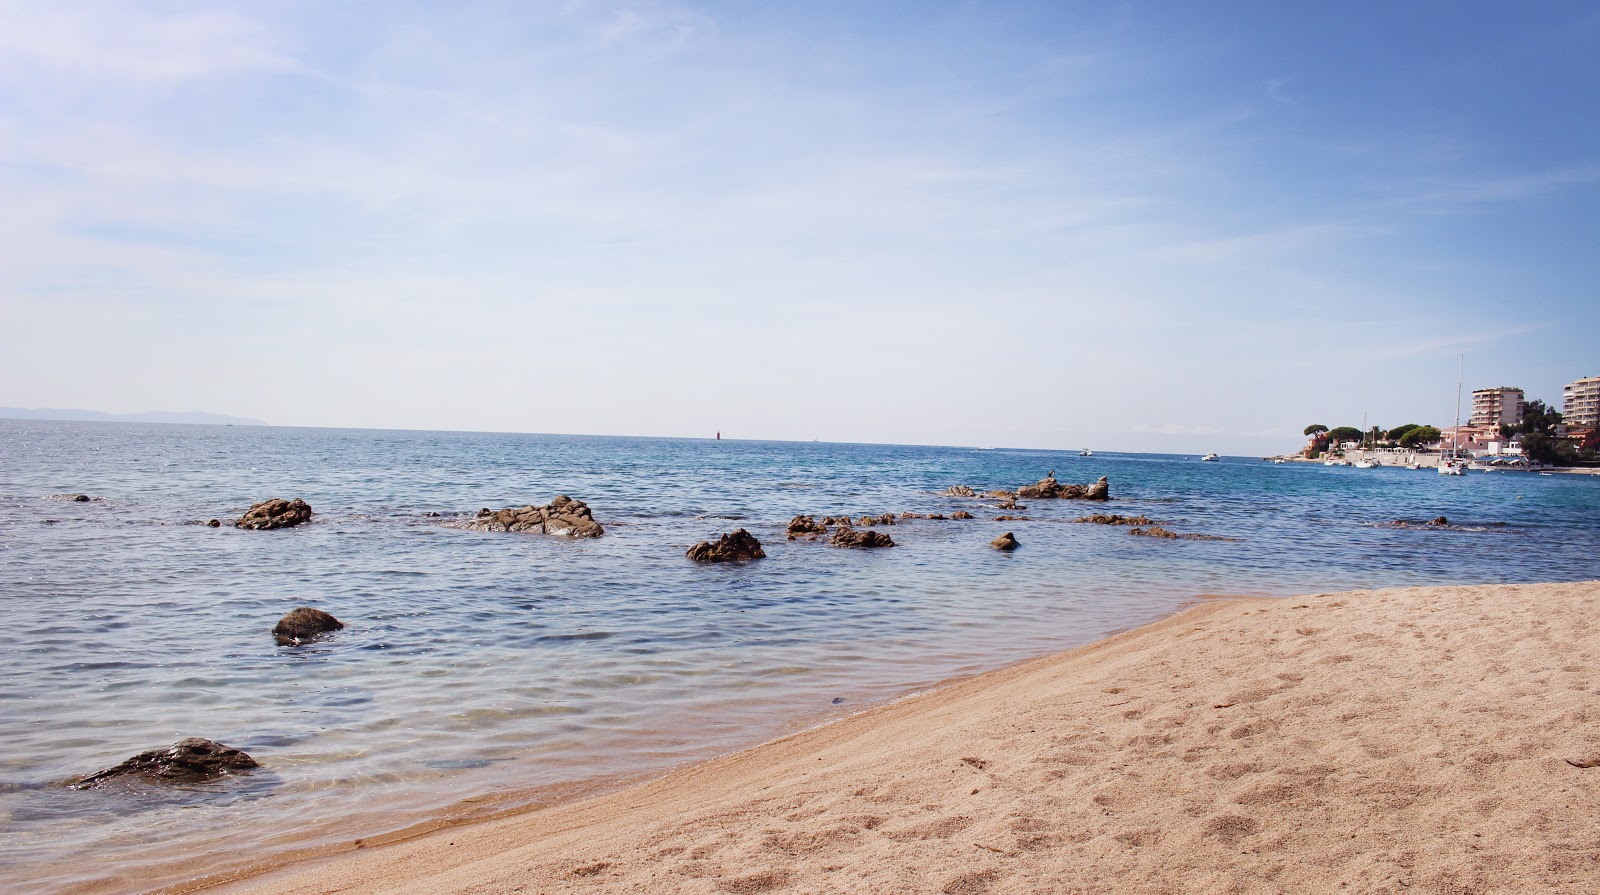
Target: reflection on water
{"points": [[493, 667]]}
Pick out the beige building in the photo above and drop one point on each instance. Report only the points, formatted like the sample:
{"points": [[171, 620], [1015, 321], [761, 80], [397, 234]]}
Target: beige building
{"points": [[1580, 402], [1497, 406]]}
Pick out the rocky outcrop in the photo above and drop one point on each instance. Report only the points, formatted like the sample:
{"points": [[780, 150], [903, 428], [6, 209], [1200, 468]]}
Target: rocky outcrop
{"points": [[938, 516], [805, 527], [959, 491], [961, 514], [304, 625], [1009, 503], [869, 521], [562, 516], [275, 513], [1439, 520], [912, 516], [1103, 519], [866, 538], [1007, 542], [1011, 519], [1048, 488], [187, 761], [735, 545], [837, 520]]}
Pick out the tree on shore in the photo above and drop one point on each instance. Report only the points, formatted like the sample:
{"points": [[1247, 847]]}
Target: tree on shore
{"points": [[1344, 433], [1537, 432], [1419, 435], [1315, 429]]}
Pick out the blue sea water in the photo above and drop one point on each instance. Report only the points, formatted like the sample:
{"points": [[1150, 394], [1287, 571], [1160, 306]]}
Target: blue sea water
{"points": [[485, 671]]}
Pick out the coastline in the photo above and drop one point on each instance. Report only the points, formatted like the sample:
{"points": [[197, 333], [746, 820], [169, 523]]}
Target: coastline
{"points": [[1412, 739]]}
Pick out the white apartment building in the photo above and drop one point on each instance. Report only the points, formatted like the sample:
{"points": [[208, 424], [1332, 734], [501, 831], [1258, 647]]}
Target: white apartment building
{"points": [[1497, 406], [1580, 402]]}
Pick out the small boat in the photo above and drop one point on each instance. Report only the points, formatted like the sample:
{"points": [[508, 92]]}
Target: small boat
{"points": [[1210, 457], [1453, 464], [1086, 453], [1365, 464]]}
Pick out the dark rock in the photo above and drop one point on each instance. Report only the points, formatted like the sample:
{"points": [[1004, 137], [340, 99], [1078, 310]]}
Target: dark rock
{"points": [[842, 521], [304, 624], [1440, 520], [1001, 493], [959, 491], [1011, 519], [214, 523], [961, 514], [187, 761], [869, 521], [1009, 503], [805, 527], [431, 514], [867, 538], [275, 513], [1103, 519], [562, 516], [80, 498], [912, 516], [1007, 541], [735, 545]]}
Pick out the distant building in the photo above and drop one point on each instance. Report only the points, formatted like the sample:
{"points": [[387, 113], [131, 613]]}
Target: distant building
{"points": [[1580, 402], [1501, 406]]}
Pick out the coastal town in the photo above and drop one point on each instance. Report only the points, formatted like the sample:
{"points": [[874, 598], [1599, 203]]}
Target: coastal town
{"points": [[1505, 431]]}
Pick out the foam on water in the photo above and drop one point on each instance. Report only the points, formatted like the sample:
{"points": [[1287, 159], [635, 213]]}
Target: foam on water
{"points": [[482, 670]]}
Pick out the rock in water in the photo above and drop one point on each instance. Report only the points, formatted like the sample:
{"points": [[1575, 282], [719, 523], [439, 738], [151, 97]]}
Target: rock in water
{"points": [[735, 545], [562, 516], [1102, 519], [1007, 541], [1440, 520], [1048, 488], [959, 491], [187, 761], [304, 624], [275, 513], [961, 514], [849, 537], [1154, 531], [804, 527]]}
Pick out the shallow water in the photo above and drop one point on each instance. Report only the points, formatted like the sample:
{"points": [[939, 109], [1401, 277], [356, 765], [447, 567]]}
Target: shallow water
{"points": [[482, 670]]}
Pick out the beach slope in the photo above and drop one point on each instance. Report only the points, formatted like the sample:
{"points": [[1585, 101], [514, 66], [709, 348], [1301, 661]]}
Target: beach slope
{"points": [[1418, 740]]}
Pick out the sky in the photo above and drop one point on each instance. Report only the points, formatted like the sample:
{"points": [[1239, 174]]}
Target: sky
{"points": [[1126, 226]]}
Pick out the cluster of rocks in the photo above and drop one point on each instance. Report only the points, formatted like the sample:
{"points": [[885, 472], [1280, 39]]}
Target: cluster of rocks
{"points": [[274, 513], [863, 538], [188, 761], [1048, 488], [735, 545], [562, 516]]}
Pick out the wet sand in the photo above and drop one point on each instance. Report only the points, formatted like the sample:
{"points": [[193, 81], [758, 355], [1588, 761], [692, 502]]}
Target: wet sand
{"points": [[1435, 739]]}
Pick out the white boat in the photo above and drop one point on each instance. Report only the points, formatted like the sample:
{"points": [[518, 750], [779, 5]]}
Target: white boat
{"points": [[1365, 464], [1086, 453], [1453, 464], [1210, 457]]}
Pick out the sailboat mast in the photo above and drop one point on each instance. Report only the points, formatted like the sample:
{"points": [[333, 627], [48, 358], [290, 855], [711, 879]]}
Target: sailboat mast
{"points": [[1455, 438]]}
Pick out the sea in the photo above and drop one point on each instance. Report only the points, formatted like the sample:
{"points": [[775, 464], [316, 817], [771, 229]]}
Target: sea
{"points": [[481, 673]]}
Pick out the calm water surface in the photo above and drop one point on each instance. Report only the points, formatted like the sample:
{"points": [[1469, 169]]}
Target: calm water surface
{"points": [[483, 671]]}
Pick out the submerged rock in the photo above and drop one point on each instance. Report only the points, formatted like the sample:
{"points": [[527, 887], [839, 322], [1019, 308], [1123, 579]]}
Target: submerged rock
{"points": [[187, 761], [1156, 531], [961, 514], [275, 513], [304, 624], [849, 537], [1007, 541], [214, 523], [1011, 519], [1048, 488], [959, 491], [1103, 519], [562, 516], [869, 521], [1440, 520], [735, 545]]}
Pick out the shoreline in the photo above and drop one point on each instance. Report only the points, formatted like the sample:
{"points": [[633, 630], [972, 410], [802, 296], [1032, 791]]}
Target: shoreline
{"points": [[1373, 738]]}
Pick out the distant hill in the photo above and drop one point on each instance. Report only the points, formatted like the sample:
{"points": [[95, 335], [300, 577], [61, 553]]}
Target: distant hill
{"points": [[151, 416]]}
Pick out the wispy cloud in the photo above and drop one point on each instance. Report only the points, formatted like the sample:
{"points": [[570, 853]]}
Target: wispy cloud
{"points": [[1490, 190]]}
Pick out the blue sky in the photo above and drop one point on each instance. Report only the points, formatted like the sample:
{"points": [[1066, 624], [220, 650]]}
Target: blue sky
{"points": [[1141, 226]]}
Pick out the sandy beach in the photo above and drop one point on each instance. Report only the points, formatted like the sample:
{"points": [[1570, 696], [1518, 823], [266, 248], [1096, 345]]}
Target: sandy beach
{"points": [[1437, 739]]}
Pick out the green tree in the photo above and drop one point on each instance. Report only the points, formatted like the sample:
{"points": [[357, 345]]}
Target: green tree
{"points": [[1344, 433], [1399, 432], [1314, 429], [1537, 432], [1419, 435]]}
